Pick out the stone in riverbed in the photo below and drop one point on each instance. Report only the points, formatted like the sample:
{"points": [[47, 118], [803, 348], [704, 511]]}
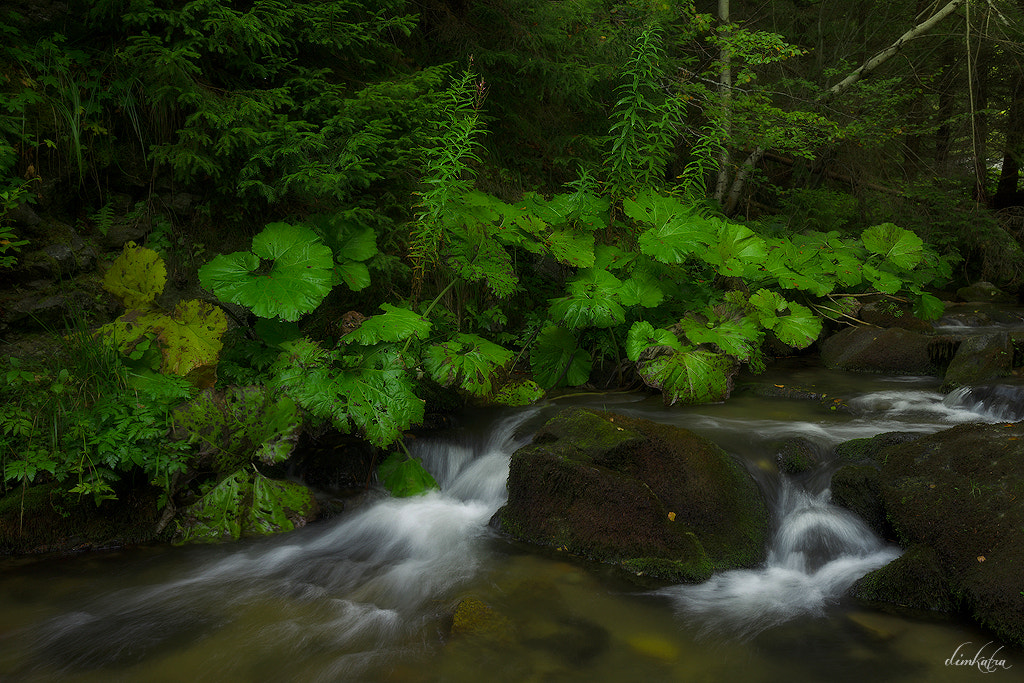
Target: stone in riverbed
{"points": [[654, 499]]}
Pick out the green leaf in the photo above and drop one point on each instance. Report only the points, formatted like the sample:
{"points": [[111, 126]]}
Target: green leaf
{"points": [[643, 335], [740, 338], [137, 276], [404, 477], [355, 242], [592, 301], [792, 323], [354, 274], [373, 393], [299, 273], [467, 360], [642, 290], [735, 247], [518, 393], [395, 324], [882, 280], [246, 504], [572, 248], [479, 258], [557, 360], [900, 247], [189, 337], [928, 307], [690, 377]]}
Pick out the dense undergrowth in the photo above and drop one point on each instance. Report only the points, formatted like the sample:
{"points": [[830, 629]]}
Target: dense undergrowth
{"points": [[384, 255]]}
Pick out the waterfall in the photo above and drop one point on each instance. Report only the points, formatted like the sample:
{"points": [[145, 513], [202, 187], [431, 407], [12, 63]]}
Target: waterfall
{"points": [[816, 553]]}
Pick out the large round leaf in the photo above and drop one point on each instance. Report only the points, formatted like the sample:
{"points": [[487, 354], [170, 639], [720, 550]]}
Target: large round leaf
{"points": [[288, 273]]}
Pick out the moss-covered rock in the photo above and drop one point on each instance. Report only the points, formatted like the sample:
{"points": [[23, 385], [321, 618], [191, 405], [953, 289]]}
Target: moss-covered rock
{"points": [[476, 619], [653, 498], [46, 518], [890, 351], [979, 359], [869, 450], [959, 493], [858, 489], [798, 455], [914, 581], [985, 291]]}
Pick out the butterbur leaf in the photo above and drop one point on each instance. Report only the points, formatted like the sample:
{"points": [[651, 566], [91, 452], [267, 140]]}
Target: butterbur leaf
{"points": [[900, 247], [574, 249], [690, 377], [395, 324], [928, 307], [481, 258], [137, 276], [298, 273], [882, 280], [404, 477], [792, 323], [641, 290], [518, 393], [557, 359], [467, 360], [355, 242], [189, 337], [592, 301], [677, 240], [735, 247], [355, 275], [740, 338], [643, 335], [246, 504]]}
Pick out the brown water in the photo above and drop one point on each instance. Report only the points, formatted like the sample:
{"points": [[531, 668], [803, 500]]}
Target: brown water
{"points": [[369, 596]]}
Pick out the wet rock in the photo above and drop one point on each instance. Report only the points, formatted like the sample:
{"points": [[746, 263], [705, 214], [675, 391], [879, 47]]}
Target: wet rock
{"points": [[798, 455], [652, 498], [959, 492], [985, 291], [885, 313], [888, 351], [857, 488], [913, 581], [979, 359], [868, 450]]}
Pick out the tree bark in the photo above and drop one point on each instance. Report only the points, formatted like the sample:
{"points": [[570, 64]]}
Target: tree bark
{"points": [[725, 97]]}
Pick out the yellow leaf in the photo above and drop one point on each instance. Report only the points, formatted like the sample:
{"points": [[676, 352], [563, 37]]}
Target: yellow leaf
{"points": [[671, 516]]}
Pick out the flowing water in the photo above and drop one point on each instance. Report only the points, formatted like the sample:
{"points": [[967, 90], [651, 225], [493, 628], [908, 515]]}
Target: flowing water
{"points": [[369, 596]]}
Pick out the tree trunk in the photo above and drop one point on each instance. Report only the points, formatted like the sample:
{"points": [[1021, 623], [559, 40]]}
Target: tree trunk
{"points": [[725, 96], [1013, 154], [841, 87]]}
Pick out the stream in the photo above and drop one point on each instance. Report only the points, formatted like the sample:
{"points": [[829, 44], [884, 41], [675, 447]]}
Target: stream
{"points": [[368, 595]]}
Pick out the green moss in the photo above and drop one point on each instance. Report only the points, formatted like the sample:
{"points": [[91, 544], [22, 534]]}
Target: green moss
{"points": [[475, 618], [55, 521], [914, 581]]}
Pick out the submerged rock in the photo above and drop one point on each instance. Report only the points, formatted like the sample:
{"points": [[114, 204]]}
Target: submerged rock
{"points": [[657, 500]]}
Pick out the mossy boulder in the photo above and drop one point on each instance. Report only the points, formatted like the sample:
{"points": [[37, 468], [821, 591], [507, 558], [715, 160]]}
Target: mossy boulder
{"points": [[798, 455], [858, 489], [979, 359], [46, 518], [985, 291], [915, 580], [959, 493], [657, 500], [891, 350]]}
